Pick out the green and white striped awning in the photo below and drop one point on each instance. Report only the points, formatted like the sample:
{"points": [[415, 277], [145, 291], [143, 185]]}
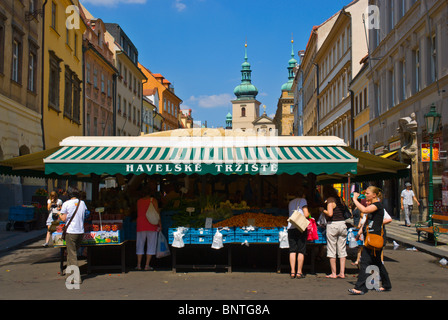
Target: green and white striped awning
{"points": [[187, 156]]}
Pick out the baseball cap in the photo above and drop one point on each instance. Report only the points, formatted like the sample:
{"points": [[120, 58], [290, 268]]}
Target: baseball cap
{"points": [[408, 184]]}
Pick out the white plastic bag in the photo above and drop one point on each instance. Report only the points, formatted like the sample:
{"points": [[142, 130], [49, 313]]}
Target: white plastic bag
{"points": [[217, 240], [351, 238], [283, 238], [178, 235], [162, 246]]}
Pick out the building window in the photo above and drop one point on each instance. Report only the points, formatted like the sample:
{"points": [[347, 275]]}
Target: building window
{"points": [[53, 15], [53, 91], [103, 89], [119, 104], [68, 94], [75, 45], [392, 88], [417, 70], [76, 116], [15, 61], [432, 59], [2, 44], [403, 80], [32, 72], [95, 77], [243, 111], [88, 72]]}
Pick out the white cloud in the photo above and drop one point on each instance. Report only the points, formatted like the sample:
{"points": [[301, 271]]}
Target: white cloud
{"points": [[212, 101], [179, 5], [111, 3]]}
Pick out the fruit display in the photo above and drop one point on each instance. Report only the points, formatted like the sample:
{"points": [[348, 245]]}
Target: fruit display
{"points": [[261, 220], [235, 206]]}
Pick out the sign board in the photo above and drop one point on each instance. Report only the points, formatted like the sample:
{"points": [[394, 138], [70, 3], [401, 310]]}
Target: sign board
{"points": [[425, 152]]}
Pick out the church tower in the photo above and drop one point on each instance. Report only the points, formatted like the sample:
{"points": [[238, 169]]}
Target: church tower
{"points": [[284, 116], [245, 108]]}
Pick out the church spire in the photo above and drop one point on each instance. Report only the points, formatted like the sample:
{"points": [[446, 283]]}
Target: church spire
{"points": [[291, 65], [246, 90]]}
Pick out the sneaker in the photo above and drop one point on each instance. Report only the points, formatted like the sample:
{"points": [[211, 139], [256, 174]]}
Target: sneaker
{"points": [[45, 245]]}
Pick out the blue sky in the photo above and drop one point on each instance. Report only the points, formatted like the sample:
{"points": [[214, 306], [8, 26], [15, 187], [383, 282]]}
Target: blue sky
{"points": [[198, 45]]}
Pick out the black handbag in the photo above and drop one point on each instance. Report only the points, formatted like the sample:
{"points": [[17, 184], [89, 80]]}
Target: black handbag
{"points": [[64, 229]]}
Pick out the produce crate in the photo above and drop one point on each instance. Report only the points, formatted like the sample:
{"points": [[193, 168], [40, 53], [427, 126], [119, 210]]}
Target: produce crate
{"points": [[202, 235], [242, 235], [21, 213], [322, 236], [186, 237], [268, 235]]}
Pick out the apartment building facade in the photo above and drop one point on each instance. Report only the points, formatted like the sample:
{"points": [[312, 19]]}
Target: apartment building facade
{"points": [[100, 77], [169, 103], [339, 62], [20, 94], [409, 73], [129, 85]]}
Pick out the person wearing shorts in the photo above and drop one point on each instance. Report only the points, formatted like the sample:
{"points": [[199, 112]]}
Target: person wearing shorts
{"points": [[296, 238], [147, 233]]}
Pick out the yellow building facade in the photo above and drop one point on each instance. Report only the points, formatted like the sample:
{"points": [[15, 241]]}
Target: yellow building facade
{"points": [[62, 71]]}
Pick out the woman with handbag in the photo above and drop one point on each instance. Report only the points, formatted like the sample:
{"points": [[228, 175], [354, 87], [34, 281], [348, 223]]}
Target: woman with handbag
{"points": [[297, 238], [54, 205], [336, 231], [373, 244], [148, 226]]}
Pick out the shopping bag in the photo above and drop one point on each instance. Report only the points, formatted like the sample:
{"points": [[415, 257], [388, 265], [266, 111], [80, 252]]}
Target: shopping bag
{"points": [[178, 236], [299, 220], [217, 240], [152, 215], [322, 221], [162, 247], [312, 230], [283, 239]]}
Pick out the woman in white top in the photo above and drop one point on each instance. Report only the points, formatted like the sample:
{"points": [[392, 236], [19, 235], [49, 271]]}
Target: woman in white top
{"points": [[54, 204]]}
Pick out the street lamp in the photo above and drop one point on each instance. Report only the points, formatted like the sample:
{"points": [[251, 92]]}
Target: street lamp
{"points": [[432, 119]]}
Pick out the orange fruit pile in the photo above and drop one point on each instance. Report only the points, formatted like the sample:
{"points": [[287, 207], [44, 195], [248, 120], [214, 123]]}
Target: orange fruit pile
{"points": [[261, 220]]}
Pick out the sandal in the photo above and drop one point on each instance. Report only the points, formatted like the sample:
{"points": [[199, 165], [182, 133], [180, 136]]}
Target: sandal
{"points": [[149, 269], [300, 276], [353, 292], [292, 275], [382, 289], [138, 268]]}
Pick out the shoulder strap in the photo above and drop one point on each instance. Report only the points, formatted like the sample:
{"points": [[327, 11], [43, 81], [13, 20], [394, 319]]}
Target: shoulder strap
{"points": [[74, 213]]}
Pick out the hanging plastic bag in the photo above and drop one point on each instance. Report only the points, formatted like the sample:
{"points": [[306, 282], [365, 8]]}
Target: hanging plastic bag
{"points": [[312, 230], [283, 239], [217, 240], [322, 221], [178, 235], [351, 239], [162, 247]]}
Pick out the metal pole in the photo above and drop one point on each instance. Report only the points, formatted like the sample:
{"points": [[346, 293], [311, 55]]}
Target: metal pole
{"points": [[430, 189]]}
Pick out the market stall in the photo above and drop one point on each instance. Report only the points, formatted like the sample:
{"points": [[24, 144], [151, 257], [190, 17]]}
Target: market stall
{"points": [[208, 177]]}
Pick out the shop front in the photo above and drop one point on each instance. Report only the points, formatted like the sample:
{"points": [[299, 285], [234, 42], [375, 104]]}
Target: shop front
{"points": [[207, 181]]}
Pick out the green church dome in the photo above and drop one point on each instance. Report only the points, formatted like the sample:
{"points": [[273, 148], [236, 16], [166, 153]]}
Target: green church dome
{"points": [[246, 90], [291, 65]]}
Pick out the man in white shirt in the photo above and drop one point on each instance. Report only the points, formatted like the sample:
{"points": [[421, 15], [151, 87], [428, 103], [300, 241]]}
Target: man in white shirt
{"points": [[75, 229], [407, 204]]}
